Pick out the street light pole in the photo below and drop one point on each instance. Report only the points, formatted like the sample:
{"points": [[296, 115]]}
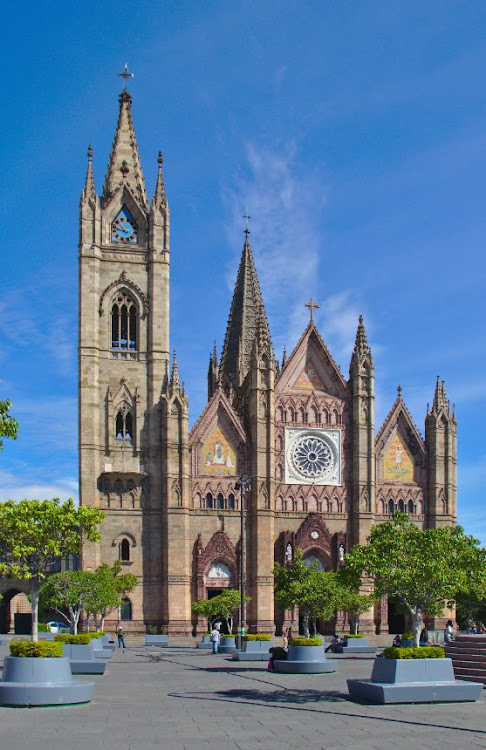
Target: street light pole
{"points": [[243, 485]]}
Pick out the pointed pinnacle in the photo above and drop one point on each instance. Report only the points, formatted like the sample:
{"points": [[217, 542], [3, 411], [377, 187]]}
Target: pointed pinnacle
{"points": [[174, 378], [159, 199], [89, 190], [361, 343], [215, 355], [284, 357]]}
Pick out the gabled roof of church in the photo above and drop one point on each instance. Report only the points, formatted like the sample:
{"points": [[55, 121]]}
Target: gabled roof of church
{"points": [[311, 331], [217, 400], [125, 167], [247, 318], [399, 409]]}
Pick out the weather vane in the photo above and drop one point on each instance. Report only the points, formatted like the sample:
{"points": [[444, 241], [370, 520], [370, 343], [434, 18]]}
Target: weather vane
{"points": [[125, 74]]}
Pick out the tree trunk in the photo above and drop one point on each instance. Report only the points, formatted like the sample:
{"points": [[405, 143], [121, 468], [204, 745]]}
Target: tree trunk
{"points": [[305, 622], [34, 601], [416, 625]]}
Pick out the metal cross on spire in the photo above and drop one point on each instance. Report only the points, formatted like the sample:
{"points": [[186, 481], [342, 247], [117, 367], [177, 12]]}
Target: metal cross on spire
{"points": [[247, 218], [125, 74], [312, 305]]}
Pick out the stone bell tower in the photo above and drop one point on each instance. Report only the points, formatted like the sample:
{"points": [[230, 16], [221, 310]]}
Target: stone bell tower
{"points": [[124, 365]]}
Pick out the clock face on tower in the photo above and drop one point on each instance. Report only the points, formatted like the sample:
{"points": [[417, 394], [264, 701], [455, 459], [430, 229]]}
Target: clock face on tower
{"points": [[124, 228], [312, 456]]}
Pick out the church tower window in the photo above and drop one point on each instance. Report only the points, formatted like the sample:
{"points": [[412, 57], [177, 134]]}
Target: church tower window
{"points": [[391, 507], [126, 609], [124, 326], [125, 550], [220, 501], [124, 427], [209, 501], [231, 501]]}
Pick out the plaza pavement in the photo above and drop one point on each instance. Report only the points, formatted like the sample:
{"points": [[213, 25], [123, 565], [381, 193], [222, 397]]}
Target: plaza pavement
{"points": [[185, 699]]}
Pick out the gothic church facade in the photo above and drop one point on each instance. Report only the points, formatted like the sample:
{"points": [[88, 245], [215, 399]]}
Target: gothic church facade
{"points": [[320, 475]]}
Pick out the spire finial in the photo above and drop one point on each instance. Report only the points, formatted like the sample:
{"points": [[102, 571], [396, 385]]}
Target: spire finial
{"points": [[89, 191], [247, 218], [90, 153], [159, 198], [399, 390], [312, 305], [125, 74]]}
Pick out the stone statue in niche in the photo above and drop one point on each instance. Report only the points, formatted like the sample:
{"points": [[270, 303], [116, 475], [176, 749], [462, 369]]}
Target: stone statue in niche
{"points": [[288, 553], [341, 552]]}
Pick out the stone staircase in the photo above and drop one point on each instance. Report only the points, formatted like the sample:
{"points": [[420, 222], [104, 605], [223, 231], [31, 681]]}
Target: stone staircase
{"points": [[468, 654]]}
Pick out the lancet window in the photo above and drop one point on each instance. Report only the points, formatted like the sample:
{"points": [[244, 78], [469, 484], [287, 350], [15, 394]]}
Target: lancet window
{"points": [[124, 326], [124, 427]]}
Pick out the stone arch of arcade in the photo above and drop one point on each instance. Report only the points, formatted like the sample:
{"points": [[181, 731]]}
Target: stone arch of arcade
{"points": [[9, 591]]}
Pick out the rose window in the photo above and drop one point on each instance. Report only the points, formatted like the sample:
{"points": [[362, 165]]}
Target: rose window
{"points": [[312, 457]]}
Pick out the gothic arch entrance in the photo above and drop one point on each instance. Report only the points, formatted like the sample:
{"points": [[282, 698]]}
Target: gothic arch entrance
{"points": [[9, 618]]}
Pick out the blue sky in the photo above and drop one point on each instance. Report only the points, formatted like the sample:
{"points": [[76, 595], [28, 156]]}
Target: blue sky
{"points": [[353, 132]]}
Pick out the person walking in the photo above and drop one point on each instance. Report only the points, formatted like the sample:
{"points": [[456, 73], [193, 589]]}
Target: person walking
{"points": [[449, 632], [215, 636], [121, 639]]}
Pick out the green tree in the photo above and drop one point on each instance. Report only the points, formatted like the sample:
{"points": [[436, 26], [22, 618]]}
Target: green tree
{"points": [[108, 588], [349, 600], [424, 569], [314, 592], [223, 605], [34, 532], [67, 591], [9, 426]]}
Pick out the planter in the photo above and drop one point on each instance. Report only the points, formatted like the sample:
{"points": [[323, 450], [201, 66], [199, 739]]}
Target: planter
{"points": [[157, 640], [406, 644], [355, 646], [29, 681], [205, 643], [254, 651], [99, 649], [227, 644], [82, 658], [305, 660], [108, 642], [414, 681]]}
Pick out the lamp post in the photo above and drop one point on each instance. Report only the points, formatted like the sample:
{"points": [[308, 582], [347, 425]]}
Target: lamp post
{"points": [[243, 484]]}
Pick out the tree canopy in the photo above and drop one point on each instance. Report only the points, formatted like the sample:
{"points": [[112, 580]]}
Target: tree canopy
{"points": [[35, 532], [9, 426], [423, 569], [221, 606], [67, 591], [108, 587]]}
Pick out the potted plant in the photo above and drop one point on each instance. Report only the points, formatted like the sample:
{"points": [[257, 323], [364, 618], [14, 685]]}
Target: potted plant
{"points": [[157, 635], [256, 647], [305, 656], [37, 674], [79, 650], [407, 639], [414, 675]]}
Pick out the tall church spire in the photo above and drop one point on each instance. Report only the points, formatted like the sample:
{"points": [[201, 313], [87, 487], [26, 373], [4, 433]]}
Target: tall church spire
{"points": [[246, 319], [125, 167], [361, 349]]}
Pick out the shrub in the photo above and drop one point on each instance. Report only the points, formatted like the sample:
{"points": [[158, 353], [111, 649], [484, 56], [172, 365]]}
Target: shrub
{"points": [[42, 627], [152, 629], [98, 634], [39, 649], [80, 638], [407, 636], [258, 637], [420, 652], [305, 642], [352, 635]]}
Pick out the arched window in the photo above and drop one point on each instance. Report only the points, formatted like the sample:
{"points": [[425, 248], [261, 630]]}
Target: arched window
{"points": [[220, 501], [209, 500], [126, 609], [401, 506], [125, 550], [391, 507], [124, 326], [410, 506], [124, 426], [231, 501]]}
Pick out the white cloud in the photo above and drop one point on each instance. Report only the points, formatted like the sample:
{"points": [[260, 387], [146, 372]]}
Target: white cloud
{"points": [[15, 487], [286, 205]]}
